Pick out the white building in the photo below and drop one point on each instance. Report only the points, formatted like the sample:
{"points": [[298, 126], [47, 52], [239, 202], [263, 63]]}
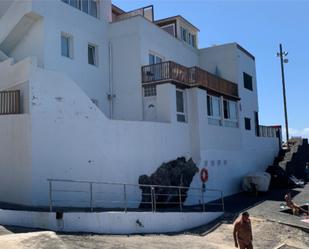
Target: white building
{"points": [[109, 95]]}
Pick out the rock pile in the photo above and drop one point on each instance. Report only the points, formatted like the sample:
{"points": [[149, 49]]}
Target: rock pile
{"points": [[178, 172]]}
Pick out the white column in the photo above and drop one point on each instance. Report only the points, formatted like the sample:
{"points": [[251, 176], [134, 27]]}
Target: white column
{"points": [[166, 103]]}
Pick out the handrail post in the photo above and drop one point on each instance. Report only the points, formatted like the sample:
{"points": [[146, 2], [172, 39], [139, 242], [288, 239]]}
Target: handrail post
{"points": [[50, 197], [91, 197], [180, 202], [203, 201], [223, 208], [153, 199], [125, 197], [151, 196]]}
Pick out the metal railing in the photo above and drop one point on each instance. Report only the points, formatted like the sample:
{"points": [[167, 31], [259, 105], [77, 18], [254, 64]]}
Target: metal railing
{"points": [[9, 102], [122, 197], [146, 12], [189, 77], [268, 131]]}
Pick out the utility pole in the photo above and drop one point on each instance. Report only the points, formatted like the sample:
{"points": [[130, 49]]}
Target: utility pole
{"points": [[283, 60]]}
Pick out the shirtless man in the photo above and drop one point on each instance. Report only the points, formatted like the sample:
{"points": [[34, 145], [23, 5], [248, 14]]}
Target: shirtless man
{"points": [[243, 232], [295, 208]]}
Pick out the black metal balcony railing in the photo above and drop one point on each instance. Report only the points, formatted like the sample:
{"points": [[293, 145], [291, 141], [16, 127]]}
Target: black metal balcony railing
{"points": [[9, 102], [189, 77]]}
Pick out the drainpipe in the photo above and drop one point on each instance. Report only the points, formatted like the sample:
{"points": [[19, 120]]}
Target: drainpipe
{"points": [[110, 94]]}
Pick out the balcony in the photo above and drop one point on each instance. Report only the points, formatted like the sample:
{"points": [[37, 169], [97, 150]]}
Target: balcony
{"points": [[170, 71]]}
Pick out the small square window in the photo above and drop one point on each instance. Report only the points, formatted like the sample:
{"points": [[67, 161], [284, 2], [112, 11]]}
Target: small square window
{"points": [[150, 91], [92, 55], [66, 45], [248, 82], [247, 123]]}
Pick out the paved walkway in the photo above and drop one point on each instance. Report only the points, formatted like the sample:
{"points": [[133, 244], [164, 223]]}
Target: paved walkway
{"points": [[268, 232]]}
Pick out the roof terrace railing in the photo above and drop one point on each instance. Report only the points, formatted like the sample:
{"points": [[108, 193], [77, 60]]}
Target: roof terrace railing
{"points": [[146, 12], [188, 77]]}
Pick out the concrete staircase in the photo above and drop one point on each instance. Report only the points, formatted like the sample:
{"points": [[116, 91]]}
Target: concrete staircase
{"points": [[293, 161]]}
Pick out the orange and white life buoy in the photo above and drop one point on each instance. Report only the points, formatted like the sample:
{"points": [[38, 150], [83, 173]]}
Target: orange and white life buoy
{"points": [[204, 175]]}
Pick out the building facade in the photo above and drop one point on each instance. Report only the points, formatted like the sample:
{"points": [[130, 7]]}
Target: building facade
{"points": [[109, 95]]}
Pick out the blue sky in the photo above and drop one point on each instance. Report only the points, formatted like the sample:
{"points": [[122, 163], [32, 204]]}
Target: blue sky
{"points": [[259, 26]]}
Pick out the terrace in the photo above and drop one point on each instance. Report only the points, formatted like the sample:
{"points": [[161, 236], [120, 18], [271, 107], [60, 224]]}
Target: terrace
{"points": [[187, 77]]}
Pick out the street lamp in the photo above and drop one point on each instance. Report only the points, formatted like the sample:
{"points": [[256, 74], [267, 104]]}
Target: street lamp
{"points": [[283, 60]]}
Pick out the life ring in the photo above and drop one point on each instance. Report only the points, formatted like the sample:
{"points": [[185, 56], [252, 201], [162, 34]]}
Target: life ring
{"points": [[204, 175]]}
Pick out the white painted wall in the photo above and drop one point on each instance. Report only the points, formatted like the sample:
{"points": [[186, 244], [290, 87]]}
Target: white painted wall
{"points": [[15, 163], [15, 74], [84, 29], [108, 222], [43, 41], [4, 5], [231, 153], [13, 14], [132, 40], [71, 137], [126, 69], [30, 44]]}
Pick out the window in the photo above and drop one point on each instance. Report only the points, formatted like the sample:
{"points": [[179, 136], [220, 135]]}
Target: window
{"points": [[93, 8], [75, 3], [150, 91], [247, 123], [230, 113], [192, 40], [248, 81], [169, 28], [88, 6], [180, 106], [85, 6], [226, 109], [188, 37], [214, 110], [183, 34], [156, 72], [92, 55], [154, 59], [257, 126], [66, 45]]}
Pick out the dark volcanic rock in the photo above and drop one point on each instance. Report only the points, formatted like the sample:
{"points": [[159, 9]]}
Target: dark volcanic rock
{"points": [[178, 172]]}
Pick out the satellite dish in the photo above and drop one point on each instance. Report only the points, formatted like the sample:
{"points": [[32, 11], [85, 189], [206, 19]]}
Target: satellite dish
{"points": [[285, 60]]}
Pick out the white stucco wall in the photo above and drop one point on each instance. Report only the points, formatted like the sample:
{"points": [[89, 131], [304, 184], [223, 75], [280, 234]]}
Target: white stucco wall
{"points": [[132, 41], [72, 139], [30, 44], [109, 222], [231, 153], [4, 5], [84, 29], [68, 125], [126, 69], [15, 163]]}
